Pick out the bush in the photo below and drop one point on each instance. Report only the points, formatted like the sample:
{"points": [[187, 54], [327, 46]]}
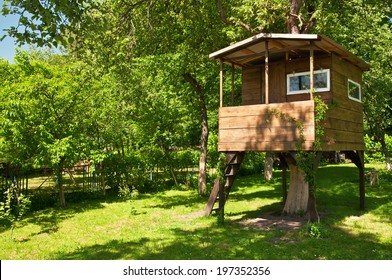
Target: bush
{"points": [[373, 151], [43, 199], [253, 163]]}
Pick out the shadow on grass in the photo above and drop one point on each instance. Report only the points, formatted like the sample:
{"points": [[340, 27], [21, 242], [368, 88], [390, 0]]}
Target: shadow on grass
{"points": [[112, 250], [49, 219], [166, 202], [232, 241]]}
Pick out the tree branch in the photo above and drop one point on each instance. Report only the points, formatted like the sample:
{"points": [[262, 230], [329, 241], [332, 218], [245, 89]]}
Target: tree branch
{"points": [[243, 25], [312, 20]]}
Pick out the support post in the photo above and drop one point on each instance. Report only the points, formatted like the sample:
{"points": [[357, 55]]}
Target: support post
{"points": [[221, 84], [266, 70], [311, 62], [232, 83], [222, 198], [357, 158]]}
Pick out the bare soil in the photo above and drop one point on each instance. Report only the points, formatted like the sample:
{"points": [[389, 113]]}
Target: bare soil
{"points": [[275, 221]]}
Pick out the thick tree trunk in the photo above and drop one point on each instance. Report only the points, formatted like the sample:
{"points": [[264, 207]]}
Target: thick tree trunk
{"points": [[202, 179], [298, 194], [268, 166], [293, 20]]}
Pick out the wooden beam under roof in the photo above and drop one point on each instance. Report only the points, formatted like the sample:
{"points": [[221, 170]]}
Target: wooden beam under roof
{"points": [[291, 40], [246, 58], [259, 38]]}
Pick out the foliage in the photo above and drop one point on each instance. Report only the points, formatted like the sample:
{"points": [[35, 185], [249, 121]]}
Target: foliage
{"points": [[13, 206], [365, 28], [253, 163], [373, 152], [317, 230]]}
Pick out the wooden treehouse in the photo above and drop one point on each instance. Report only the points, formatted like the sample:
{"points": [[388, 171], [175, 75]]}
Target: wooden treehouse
{"points": [[281, 75]]}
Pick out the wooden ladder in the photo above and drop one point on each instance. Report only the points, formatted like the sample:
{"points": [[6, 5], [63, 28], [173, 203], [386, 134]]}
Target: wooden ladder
{"points": [[220, 191]]}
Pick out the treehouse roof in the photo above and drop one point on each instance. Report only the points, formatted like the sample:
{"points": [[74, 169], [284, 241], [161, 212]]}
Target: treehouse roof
{"points": [[252, 51]]}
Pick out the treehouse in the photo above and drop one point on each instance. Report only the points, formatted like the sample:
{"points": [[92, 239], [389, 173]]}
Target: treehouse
{"points": [[282, 74]]}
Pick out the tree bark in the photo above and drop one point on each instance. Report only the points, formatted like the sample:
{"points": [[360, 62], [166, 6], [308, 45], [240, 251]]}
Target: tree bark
{"points": [[268, 166], [298, 194], [293, 18], [202, 179], [59, 183], [385, 152]]}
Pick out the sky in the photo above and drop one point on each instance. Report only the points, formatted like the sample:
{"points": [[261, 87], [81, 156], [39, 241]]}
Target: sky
{"points": [[7, 46]]}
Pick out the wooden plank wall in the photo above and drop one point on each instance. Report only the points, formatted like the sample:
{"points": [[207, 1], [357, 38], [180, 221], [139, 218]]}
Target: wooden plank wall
{"points": [[251, 86], [247, 128], [344, 124], [302, 65], [256, 128], [253, 90]]}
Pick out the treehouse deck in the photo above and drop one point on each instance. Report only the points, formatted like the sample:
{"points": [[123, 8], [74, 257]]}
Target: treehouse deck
{"points": [[283, 126], [272, 127]]}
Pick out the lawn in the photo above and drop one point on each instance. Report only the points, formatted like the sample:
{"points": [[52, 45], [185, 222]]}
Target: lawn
{"points": [[166, 225]]}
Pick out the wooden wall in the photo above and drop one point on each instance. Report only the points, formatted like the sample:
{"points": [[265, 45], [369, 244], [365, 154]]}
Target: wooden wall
{"points": [[344, 124], [302, 65], [253, 89], [250, 127], [257, 128], [252, 86]]}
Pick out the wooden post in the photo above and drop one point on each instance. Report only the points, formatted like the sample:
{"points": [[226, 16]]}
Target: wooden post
{"points": [[221, 84], [221, 202], [266, 73], [311, 69], [232, 83], [361, 180], [357, 158]]}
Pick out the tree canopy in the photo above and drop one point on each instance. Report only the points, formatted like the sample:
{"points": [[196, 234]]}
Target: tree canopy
{"points": [[137, 81]]}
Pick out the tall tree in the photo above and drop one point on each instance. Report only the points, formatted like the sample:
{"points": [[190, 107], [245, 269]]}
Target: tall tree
{"points": [[44, 113]]}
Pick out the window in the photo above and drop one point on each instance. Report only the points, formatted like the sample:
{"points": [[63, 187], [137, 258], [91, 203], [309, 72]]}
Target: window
{"points": [[300, 82], [354, 91]]}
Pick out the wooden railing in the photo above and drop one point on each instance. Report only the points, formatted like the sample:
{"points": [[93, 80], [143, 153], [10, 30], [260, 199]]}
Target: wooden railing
{"points": [[272, 127]]}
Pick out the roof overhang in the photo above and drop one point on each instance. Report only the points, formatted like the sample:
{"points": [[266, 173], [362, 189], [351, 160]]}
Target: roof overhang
{"points": [[252, 49]]}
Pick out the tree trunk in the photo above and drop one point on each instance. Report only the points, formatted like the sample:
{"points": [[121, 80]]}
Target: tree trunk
{"points": [[202, 179], [385, 152], [268, 167], [298, 194], [59, 183], [293, 18]]}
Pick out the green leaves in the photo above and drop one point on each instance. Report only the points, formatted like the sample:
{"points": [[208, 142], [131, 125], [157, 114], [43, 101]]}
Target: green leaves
{"points": [[40, 111]]}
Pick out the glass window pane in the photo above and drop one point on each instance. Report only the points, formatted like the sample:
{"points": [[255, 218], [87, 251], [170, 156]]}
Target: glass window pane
{"points": [[354, 90], [320, 80], [300, 82]]}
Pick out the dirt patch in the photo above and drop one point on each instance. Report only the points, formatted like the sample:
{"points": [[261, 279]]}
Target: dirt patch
{"points": [[275, 221], [191, 216]]}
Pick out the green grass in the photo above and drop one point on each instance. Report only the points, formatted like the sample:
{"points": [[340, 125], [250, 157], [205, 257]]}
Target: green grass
{"points": [[163, 225]]}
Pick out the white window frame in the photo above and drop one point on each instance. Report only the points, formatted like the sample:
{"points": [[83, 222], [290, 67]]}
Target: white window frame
{"points": [[360, 91], [328, 88]]}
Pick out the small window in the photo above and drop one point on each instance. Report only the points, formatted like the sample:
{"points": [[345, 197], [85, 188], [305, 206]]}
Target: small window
{"points": [[354, 91], [300, 82]]}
